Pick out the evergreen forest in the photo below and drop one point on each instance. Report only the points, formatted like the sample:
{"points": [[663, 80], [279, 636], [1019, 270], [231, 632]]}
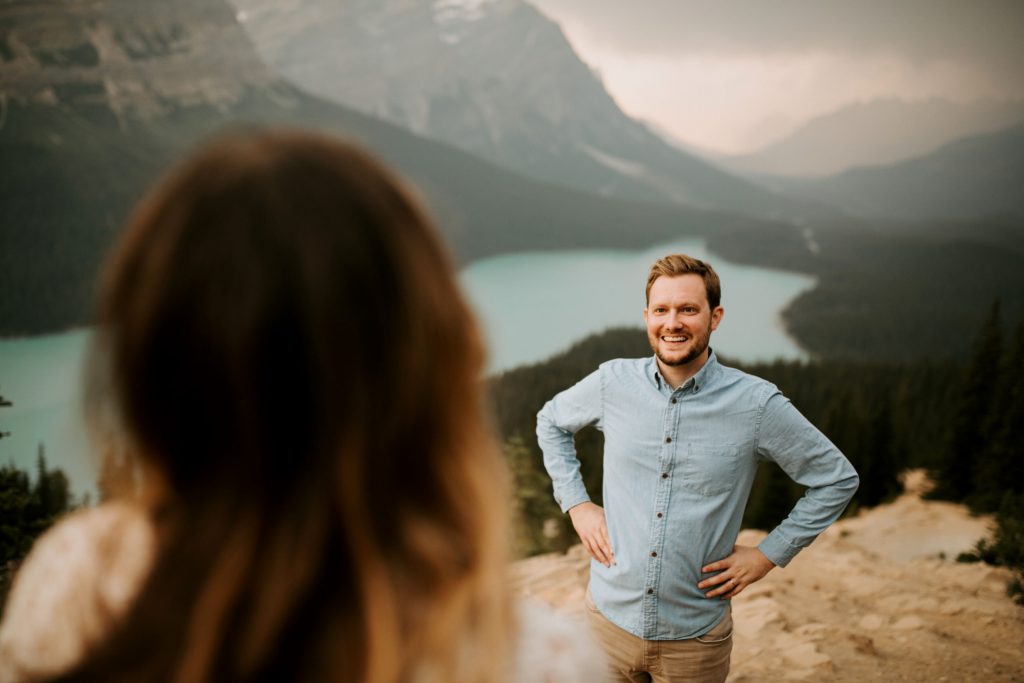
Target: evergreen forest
{"points": [[960, 419], [27, 509]]}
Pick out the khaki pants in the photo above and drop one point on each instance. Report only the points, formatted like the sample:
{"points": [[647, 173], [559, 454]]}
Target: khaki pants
{"points": [[635, 660]]}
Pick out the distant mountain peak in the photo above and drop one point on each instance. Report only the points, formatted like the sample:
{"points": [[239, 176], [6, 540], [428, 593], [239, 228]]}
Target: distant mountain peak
{"points": [[495, 78], [876, 132], [976, 177]]}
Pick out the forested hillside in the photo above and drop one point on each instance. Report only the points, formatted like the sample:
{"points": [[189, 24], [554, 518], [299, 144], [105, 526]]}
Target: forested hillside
{"points": [[27, 509], [890, 291], [982, 459], [885, 416]]}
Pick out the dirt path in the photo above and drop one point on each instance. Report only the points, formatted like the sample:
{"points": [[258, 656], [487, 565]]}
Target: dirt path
{"points": [[878, 597]]}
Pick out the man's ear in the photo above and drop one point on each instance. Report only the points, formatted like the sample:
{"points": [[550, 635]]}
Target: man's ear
{"points": [[716, 317], [645, 314]]}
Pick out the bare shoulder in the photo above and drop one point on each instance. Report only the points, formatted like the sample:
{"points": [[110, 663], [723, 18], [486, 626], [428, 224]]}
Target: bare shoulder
{"points": [[80, 574], [554, 648]]}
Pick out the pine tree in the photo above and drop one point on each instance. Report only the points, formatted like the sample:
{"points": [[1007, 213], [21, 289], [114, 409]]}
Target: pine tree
{"points": [[969, 432], [24, 515], [42, 487], [1002, 469], [27, 510], [879, 463]]}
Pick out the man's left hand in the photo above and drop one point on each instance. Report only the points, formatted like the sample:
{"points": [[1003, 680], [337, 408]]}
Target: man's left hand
{"points": [[745, 566]]}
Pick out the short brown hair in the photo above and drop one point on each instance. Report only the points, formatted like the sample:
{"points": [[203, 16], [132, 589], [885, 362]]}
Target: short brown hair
{"points": [[680, 264]]}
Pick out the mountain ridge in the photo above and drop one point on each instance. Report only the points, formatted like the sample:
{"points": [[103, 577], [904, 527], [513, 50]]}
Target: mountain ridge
{"points": [[874, 133], [80, 143], [498, 79], [980, 176]]}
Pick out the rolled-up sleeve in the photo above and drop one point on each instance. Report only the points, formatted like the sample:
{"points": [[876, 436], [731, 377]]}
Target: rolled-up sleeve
{"points": [[570, 411], [810, 459]]}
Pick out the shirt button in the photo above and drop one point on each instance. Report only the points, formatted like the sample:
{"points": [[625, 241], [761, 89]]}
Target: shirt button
{"points": [[654, 554], [650, 591], [660, 515], [668, 439], [675, 401], [664, 475]]}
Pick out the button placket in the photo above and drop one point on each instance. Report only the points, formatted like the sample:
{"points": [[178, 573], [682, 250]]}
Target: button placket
{"points": [[661, 502]]}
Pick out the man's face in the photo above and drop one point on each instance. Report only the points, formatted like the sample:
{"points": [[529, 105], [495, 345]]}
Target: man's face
{"points": [[679, 318]]}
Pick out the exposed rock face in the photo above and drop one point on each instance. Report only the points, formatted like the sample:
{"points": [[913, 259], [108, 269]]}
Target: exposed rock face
{"points": [[494, 77], [140, 58], [98, 98], [480, 74]]}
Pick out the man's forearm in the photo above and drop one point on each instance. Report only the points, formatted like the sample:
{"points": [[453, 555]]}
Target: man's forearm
{"points": [[560, 461], [813, 513], [557, 422]]}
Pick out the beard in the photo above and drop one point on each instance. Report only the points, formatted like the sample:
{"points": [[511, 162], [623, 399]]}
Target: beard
{"points": [[699, 344]]}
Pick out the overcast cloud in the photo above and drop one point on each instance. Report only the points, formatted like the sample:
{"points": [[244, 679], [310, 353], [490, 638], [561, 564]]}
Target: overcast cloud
{"points": [[757, 64], [991, 30]]}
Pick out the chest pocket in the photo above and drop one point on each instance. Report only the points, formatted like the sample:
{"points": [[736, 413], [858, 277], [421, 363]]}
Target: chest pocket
{"points": [[710, 470]]}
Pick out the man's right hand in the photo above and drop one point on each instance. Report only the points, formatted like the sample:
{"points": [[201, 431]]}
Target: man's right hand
{"points": [[588, 519]]}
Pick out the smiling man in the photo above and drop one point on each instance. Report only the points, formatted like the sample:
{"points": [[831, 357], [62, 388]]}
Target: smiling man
{"points": [[683, 436]]}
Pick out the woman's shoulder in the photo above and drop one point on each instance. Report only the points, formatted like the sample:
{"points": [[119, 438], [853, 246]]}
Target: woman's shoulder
{"points": [[82, 573], [555, 648]]}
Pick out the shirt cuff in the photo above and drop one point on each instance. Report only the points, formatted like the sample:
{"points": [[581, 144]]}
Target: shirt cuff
{"points": [[777, 549], [572, 500]]}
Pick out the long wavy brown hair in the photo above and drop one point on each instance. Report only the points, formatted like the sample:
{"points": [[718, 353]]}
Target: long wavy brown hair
{"points": [[298, 377]]}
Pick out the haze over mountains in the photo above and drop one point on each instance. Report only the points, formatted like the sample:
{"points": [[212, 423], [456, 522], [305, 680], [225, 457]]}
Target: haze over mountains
{"points": [[875, 133], [99, 98], [976, 177], [496, 78]]}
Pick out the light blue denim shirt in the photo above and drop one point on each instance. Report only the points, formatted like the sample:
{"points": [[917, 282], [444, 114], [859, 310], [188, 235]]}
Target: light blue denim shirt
{"points": [[678, 467]]}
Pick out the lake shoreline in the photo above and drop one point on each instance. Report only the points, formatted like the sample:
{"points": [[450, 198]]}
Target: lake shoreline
{"points": [[531, 306]]}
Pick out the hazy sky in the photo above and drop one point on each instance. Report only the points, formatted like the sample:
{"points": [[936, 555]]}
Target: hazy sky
{"points": [[730, 75]]}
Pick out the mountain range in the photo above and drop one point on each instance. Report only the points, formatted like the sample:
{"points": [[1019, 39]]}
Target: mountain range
{"points": [[98, 99], [496, 78], [977, 177], [875, 133]]}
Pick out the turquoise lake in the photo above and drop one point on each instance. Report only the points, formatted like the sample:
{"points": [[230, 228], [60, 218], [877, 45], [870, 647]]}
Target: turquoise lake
{"points": [[534, 305], [531, 306]]}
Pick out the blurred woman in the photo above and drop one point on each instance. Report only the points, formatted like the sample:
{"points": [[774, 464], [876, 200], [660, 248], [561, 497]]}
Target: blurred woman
{"points": [[284, 356]]}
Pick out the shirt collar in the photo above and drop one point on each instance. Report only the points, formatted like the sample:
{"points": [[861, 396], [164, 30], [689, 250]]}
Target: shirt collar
{"points": [[696, 383]]}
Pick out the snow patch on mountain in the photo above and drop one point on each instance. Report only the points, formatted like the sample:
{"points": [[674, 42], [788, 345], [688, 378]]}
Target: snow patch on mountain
{"points": [[460, 10], [626, 167], [453, 17]]}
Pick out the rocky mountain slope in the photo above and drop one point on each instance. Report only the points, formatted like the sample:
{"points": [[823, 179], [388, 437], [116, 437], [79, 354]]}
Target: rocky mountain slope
{"points": [[494, 77], [138, 58], [876, 598], [97, 98]]}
